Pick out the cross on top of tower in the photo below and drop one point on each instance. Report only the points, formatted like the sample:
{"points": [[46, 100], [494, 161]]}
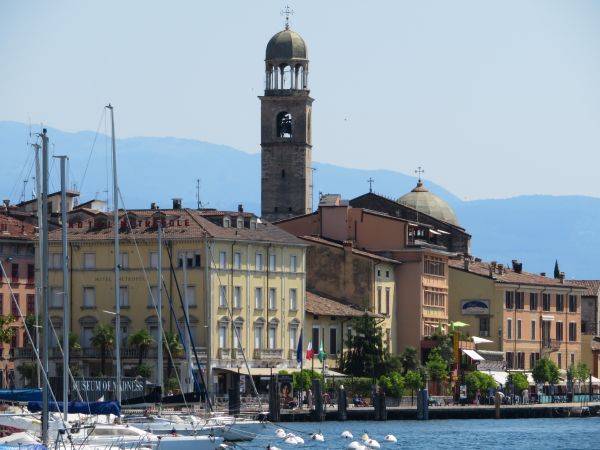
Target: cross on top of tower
{"points": [[370, 181], [287, 12], [419, 171]]}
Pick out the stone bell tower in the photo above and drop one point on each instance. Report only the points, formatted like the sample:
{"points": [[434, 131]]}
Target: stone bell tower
{"points": [[286, 143]]}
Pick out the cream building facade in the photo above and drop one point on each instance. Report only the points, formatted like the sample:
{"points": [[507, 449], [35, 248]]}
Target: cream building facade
{"points": [[240, 280]]}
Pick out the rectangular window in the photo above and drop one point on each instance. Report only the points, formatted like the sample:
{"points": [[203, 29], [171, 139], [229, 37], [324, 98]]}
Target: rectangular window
{"points": [[572, 359], [154, 260], [30, 274], [124, 260], [14, 305], [533, 358], [435, 297], [387, 302], [484, 326], [89, 297], [520, 360], [15, 272], [258, 298], [272, 262], [545, 302], [572, 303], [153, 296], [293, 337], [259, 264], [293, 264], [272, 336], [572, 332], [237, 336], [222, 260], [315, 339], [519, 300], [30, 304], [559, 359], [533, 330], [222, 296], [55, 261], [293, 299], [124, 296], [509, 299], [560, 302], [333, 341], [191, 295], [519, 335], [434, 266], [56, 297], [222, 335], [533, 301], [237, 260], [89, 260], [272, 298], [258, 336], [197, 260], [387, 273], [1, 307], [509, 329], [509, 360], [237, 296], [559, 331], [379, 299]]}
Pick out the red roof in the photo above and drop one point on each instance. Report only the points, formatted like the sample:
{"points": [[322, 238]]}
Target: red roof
{"points": [[320, 305]]}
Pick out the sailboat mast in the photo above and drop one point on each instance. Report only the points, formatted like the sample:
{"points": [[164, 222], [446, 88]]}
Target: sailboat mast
{"points": [[41, 227], [116, 226], [159, 355], [65, 261], [44, 283], [187, 341]]}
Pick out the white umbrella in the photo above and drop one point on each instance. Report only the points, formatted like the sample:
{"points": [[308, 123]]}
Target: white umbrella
{"points": [[480, 340]]}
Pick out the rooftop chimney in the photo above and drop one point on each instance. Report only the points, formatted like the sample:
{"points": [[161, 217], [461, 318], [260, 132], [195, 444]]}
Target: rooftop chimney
{"points": [[517, 266], [152, 205], [561, 277], [500, 268], [240, 208], [177, 203], [466, 262], [543, 274]]}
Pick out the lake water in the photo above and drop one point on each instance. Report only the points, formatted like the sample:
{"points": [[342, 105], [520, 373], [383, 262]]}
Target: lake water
{"points": [[568, 433]]}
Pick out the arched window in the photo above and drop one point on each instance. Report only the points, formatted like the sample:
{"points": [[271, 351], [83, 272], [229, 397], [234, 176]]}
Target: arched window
{"points": [[284, 125], [294, 327], [273, 324], [223, 327], [238, 337], [259, 326], [86, 326]]}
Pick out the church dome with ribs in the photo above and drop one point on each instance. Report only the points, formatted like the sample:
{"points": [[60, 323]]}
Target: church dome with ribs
{"points": [[427, 203]]}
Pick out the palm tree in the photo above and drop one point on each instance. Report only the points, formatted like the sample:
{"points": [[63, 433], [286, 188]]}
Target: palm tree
{"points": [[142, 340], [103, 338], [173, 348]]}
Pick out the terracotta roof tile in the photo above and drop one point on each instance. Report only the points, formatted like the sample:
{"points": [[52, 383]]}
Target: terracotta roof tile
{"points": [[323, 241], [319, 305], [12, 228], [508, 275], [592, 286]]}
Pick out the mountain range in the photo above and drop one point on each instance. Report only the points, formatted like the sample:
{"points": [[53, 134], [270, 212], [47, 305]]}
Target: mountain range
{"points": [[535, 229]]}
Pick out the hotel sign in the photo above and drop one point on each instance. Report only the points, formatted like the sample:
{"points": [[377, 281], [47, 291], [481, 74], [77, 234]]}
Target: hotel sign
{"points": [[475, 307]]}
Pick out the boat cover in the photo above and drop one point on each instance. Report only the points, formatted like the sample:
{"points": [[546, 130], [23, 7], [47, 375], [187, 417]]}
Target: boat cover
{"points": [[23, 447], [79, 407], [20, 395]]}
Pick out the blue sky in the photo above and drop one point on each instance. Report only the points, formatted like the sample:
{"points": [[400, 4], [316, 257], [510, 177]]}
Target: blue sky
{"points": [[493, 98]]}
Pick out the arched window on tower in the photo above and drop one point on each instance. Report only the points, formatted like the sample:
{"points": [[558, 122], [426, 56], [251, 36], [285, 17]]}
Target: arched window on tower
{"points": [[284, 125]]}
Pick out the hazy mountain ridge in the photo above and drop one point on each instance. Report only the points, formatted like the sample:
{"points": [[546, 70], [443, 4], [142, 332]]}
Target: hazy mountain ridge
{"points": [[535, 229]]}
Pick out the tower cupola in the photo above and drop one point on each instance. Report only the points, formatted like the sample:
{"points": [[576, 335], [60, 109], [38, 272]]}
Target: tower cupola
{"points": [[286, 62]]}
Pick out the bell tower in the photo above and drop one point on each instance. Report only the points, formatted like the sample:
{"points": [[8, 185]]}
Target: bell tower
{"points": [[286, 143]]}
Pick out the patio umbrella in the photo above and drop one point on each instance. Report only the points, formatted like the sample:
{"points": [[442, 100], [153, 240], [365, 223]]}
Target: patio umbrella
{"points": [[480, 340]]}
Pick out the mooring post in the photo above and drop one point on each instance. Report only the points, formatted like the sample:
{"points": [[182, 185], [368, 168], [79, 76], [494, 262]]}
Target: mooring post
{"points": [[234, 395], [317, 413], [274, 403], [342, 404], [497, 403]]}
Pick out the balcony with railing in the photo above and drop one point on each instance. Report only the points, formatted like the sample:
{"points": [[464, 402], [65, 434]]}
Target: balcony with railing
{"points": [[268, 354], [551, 344], [224, 353]]}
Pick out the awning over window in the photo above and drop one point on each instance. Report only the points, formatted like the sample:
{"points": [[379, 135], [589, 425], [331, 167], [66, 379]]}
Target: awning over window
{"points": [[473, 355]]}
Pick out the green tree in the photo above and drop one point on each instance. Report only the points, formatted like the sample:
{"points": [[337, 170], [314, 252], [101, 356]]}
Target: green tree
{"points": [[103, 338], [393, 384], [409, 360], [479, 381], [28, 371], [581, 373], [173, 348], [366, 354], [436, 366], [142, 340], [545, 371], [144, 370], [6, 331], [519, 381], [413, 380]]}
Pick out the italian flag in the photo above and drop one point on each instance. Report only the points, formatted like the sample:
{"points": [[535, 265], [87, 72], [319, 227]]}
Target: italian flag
{"points": [[309, 351]]}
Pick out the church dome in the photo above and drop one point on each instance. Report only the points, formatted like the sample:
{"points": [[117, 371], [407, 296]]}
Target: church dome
{"points": [[427, 203], [286, 45]]}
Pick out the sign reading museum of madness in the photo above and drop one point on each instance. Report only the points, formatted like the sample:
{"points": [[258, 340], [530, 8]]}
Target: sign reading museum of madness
{"points": [[91, 389]]}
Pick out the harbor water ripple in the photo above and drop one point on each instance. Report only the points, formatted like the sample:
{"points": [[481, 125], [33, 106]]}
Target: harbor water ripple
{"points": [[567, 433]]}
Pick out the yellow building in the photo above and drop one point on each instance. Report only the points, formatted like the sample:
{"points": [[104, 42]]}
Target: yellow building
{"points": [[244, 286], [526, 316]]}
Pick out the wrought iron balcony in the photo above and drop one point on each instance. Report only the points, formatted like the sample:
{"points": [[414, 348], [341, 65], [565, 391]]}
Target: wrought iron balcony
{"points": [[551, 344]]}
